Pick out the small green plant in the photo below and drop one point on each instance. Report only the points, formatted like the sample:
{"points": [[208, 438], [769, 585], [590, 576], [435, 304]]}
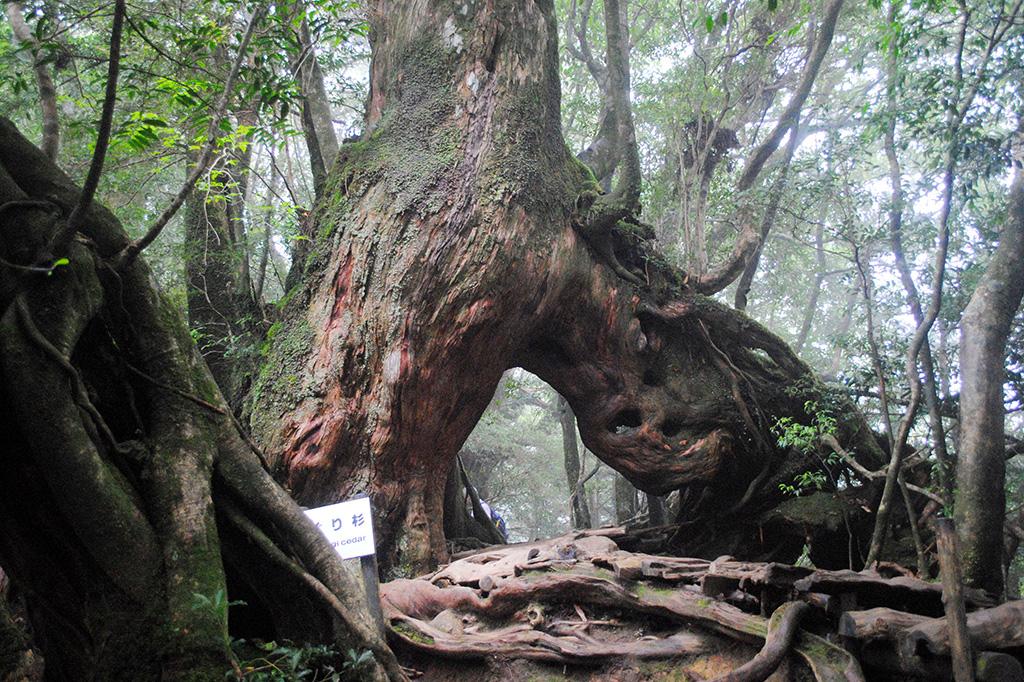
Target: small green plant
{"points": [[216, 606], [805, 438], [288, 662]]}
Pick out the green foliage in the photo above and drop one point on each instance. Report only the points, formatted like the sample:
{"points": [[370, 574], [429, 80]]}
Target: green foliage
{"points": [[281, 661], [217, 605], [806, 438], [290, 662]]}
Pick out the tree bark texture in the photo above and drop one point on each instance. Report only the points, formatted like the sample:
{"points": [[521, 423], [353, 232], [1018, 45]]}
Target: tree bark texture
{"points": [[222, 311], [981, 467], [578, 506], [127, 491], [455, 241]]}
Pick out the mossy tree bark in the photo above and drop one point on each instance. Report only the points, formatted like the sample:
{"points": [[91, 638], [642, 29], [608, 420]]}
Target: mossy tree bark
{"points": [[223, 312], [126, 488], [981, 468], [450, 246]]}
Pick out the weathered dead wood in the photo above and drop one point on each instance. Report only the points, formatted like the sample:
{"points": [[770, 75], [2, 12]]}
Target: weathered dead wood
{"points": [[722, 577], [782, 628], [410, 604], [1001, 627], [903, 593], [522, 640], [877, 623]]}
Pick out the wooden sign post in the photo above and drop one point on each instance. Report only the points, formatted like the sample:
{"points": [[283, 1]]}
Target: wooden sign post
{"points": [[348, 526]]}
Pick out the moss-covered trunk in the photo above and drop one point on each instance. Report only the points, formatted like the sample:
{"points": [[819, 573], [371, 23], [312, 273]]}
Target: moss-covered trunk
{"points": [[127, 493], [449, 247]]}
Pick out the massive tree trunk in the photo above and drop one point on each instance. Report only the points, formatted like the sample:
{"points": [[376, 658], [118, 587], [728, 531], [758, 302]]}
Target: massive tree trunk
{"points": [[450, 246], [981, 466], [128, 495]]}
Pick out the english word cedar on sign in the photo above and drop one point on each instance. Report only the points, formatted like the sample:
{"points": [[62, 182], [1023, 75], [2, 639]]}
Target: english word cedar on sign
{"points": [[347, 526]]}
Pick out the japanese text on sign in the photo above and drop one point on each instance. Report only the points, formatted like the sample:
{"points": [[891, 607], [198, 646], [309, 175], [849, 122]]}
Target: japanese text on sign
{"points": [[347, 526]]}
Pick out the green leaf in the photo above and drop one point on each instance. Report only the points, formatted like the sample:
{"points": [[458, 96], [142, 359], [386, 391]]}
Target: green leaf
{"points": [[709, 23], [60, 262]]}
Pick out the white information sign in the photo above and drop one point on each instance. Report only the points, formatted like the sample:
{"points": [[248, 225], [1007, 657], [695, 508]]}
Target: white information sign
{"points": [[347, 525]]}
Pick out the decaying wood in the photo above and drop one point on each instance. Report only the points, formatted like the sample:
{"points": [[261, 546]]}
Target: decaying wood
{"points": [[1001, 627], [870, 589], [877, 623], [723, 576], [513, 600]]}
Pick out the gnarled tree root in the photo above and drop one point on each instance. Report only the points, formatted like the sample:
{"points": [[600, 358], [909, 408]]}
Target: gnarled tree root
{"points": [[782, 629], [511, 603]]}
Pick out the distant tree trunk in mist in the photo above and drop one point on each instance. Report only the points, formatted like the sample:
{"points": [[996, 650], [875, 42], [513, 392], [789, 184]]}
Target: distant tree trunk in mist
{"points": [[580, 510], [625, 499]]}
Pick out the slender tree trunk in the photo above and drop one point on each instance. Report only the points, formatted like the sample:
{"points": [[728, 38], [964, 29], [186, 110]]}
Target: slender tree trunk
{"points": [[44, 81], [222, 311], [657, 514], [455, 515], [580, 511], [317, 122], [812, 303], [625, 499], [981, 467]]}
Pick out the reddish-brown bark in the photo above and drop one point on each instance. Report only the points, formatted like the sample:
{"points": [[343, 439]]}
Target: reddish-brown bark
{"points": [[449, 248]]}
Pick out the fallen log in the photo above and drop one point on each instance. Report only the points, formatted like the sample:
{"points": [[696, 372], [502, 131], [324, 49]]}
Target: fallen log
{"points": [[877, 623], [994, 629], [903, 593], [722, 577]]}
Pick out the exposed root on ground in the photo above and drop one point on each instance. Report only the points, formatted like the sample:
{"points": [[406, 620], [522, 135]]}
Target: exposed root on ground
{"points": [[580, 600]]}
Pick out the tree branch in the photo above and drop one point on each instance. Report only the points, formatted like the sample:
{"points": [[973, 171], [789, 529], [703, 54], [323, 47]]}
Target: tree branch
{"points": [[747, 241], [47, 91], [92, 180], [130, 252]]}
